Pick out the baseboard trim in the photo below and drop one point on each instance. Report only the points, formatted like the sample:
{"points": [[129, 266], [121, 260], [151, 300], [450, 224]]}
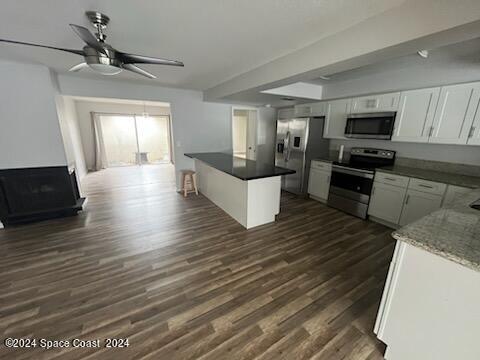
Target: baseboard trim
{"points": [[324, 201], [383, 222]]}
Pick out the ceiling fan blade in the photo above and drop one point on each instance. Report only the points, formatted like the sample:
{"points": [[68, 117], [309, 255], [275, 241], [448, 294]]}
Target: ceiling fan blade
{"points": [[137, 70], [78, 52], [140, 59], [78, 67], [88, 38]]}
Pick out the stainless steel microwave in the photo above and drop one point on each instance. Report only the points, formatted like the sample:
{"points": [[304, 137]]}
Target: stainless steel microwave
{"points": [[370, 125]]}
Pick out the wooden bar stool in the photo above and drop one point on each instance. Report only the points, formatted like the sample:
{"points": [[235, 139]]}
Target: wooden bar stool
{"points": [[189, 182]]}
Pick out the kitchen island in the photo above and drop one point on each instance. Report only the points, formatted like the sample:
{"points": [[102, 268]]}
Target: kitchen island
{"points": [[430, 305], [247, 190]]}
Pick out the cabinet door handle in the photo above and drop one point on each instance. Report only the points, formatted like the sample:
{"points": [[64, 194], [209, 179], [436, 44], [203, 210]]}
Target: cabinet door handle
{"points": [[472, 130], [430, 132], [391, 179], [373, 190], [407, 199], [328, 178], [426, 186]]}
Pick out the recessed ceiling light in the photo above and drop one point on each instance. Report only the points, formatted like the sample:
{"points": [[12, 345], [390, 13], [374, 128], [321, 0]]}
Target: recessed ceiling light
{"points": [[324, 77], [423, 53], [268, 105]]}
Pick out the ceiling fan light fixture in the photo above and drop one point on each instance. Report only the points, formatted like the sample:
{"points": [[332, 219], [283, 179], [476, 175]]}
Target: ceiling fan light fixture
{"points": [[105, 69], [100, 56]]}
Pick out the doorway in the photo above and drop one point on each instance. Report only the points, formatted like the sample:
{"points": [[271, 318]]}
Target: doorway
{"points": [[127, 140], [244, 132]]}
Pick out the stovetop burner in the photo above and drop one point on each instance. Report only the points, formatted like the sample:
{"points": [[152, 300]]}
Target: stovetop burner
{"points": [[368, 159]]}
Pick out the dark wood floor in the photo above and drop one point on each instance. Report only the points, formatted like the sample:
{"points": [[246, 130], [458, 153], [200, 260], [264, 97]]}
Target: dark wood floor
{"points": [[182, 280]]}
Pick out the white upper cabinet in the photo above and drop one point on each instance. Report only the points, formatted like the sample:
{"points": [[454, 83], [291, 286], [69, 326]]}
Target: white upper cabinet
{"points": [[318, 108], [312, 109], [287, 113], [415, 115], [375, 103], [336, 118], [303, 110], [474, 133], [455, 113]]}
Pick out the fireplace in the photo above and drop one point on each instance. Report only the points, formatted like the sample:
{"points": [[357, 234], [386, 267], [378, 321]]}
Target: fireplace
{"points": [[32, 194]]}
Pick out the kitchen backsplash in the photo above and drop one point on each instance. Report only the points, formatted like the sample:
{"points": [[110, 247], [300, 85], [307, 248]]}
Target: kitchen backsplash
{"points": [[462, 169]]}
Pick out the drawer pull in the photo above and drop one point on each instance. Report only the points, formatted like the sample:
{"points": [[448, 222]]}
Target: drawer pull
{"points": [[406, 200], [391, 179], [426, 186]]}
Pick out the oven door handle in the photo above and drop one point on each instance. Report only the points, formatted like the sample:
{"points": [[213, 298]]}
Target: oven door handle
{"points": [[357, 172]]}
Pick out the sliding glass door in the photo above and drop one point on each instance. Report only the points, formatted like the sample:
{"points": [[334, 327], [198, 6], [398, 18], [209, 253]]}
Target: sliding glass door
{"points": [[153, 139], [134, 139]]}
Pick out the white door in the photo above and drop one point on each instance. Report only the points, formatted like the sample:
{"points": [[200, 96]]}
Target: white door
{"points": [[417, 205], [336, 118], [386, 202], [474, 132], [244, 133], [319, 183], [375, 103], [252, 135], [415, 115], [454, 114]]}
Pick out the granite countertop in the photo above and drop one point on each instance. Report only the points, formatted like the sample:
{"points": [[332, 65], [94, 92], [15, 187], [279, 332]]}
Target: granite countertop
{"points": [[432, 175], [240, 168], [452, 232]]}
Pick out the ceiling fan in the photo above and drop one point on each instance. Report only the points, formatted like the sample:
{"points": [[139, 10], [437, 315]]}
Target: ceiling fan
{"points": [[100, 56]]}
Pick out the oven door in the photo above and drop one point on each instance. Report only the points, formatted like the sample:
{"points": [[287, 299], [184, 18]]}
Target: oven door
{"points": [[370, 126], [350, 190]]}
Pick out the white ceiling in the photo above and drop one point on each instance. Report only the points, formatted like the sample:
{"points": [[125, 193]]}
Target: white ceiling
{"points": [[216, 39]]}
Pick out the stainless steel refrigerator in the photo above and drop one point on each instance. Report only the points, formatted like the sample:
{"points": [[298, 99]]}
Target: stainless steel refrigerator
{"points": [[299, 141]]}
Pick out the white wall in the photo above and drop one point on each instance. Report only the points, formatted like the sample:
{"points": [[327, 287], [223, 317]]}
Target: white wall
{"points": [[29, 129], [67, 116], [198, 126], [84, 109]]}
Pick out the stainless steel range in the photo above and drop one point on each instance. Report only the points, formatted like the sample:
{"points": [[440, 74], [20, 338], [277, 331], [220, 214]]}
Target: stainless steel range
{"points": [[351, 182]]}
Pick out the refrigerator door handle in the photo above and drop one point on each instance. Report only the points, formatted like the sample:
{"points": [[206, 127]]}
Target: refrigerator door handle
{"points": [[286, 150]]}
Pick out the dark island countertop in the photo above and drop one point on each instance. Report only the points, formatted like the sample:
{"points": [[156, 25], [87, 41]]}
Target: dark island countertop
{"points": [[243, 169]]}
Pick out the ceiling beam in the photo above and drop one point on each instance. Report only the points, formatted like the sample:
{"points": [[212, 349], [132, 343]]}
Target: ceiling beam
{"points": [[415, 24]]}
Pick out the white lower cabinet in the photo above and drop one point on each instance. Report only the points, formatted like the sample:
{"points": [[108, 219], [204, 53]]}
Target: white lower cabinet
{"points": [[453, 192], [399, 200], [319, 183], [417, 204], [386, 202]]}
